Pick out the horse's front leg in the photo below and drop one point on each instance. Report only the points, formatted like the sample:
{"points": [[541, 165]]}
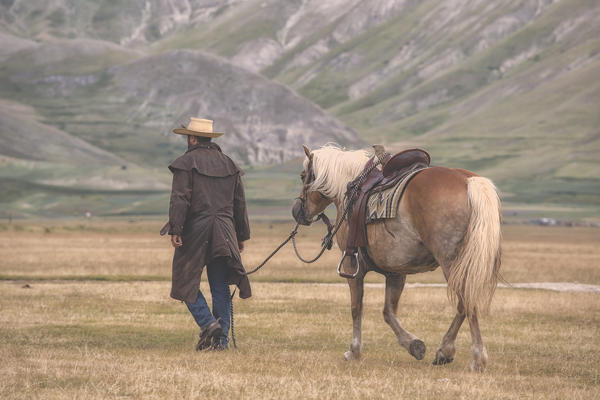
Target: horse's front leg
{"points": [[356, 304], [394, 284]]}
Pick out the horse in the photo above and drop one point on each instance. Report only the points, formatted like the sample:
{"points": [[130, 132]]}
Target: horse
{"points": [[447, 217]]}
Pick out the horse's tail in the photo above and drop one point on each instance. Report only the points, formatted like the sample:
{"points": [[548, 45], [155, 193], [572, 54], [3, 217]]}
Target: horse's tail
{"points": [[474, 272]]}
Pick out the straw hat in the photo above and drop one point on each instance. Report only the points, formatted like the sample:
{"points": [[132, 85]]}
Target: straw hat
{"points": [[198, 127]]}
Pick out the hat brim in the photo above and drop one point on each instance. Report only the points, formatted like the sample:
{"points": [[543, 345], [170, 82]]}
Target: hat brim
{"points": [[183, 131]]}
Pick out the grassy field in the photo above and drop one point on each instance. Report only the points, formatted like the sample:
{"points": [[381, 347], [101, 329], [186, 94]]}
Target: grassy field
{"points": [[97, 322]]}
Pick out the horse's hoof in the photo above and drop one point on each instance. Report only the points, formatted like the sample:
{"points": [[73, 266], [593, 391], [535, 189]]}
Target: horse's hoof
{"points": [[417, 349], [349, 355], [441, 359], [477, 367], [479, 361]]}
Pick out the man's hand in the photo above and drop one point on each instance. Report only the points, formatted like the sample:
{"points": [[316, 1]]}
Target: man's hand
{"points": [[176, 241], [241, 246]]}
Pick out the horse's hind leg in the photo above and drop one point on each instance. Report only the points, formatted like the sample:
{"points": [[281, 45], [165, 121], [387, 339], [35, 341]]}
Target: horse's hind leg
{"points": [[480, 356], [356, 299], [394, 284], [445, 353]]}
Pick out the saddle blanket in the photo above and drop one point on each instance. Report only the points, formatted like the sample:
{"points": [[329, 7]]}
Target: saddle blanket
{"points": [[383, 204]]}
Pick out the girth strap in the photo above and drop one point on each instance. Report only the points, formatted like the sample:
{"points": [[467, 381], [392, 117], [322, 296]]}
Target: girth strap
{"points": [[356, 225]]}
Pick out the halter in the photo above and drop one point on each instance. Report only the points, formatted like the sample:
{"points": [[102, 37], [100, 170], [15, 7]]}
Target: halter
{"points": [[307, 179]]}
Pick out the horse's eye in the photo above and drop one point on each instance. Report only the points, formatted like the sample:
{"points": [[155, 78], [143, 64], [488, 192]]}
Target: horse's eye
{"points": [[302, 176]]}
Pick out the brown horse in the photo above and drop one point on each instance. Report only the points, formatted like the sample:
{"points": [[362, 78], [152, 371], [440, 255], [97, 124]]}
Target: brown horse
{"points": [[447, 217]]}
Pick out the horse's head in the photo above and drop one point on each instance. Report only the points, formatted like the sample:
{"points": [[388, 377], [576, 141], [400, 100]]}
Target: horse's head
{"points": [[311, 202]]}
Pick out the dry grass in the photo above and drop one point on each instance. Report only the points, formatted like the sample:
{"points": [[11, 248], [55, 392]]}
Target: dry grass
{"points": [[66, 339], [98, 339], [108, 250], [551, 254]]}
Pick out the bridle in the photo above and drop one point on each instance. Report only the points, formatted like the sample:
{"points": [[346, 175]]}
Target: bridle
{"points": [[307, 180], [327, 241]]}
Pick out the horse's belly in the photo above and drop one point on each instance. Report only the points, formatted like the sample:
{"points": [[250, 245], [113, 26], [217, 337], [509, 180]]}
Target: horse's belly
{"points": [[394, 246]]}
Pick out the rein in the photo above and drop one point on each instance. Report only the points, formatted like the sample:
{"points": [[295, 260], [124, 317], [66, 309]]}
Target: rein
{"points": [[327, 241], [290, 236]]}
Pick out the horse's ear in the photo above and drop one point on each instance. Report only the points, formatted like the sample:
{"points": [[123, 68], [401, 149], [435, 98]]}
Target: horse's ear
{"points": [[309, 153]]}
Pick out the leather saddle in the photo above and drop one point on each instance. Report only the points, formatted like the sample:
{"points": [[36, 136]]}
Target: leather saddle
{"points": [[394, 168]]}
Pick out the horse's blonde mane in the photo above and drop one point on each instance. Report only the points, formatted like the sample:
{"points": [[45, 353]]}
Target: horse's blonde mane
{"points": [[334, 168]]}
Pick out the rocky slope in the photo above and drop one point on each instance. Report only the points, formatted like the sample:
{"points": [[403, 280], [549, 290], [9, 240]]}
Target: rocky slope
{"points": [[108, 100], [265, 122]]}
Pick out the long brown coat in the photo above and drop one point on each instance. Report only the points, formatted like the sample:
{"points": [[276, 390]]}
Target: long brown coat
{"points": [[208, 210]]}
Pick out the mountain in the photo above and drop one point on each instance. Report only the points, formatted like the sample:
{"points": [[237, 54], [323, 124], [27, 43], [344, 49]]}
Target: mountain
{"points": [[265, 121], [109, 95], [509, 89], [65, 95]]}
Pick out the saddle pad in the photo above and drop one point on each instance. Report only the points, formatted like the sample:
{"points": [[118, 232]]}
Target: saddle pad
{"points": [[384, 204]]}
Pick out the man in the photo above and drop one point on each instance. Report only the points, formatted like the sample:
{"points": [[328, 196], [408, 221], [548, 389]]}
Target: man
{"points": [[208, 224]]}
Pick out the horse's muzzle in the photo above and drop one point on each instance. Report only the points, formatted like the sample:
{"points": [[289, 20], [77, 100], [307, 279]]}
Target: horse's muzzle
{"points": [[299, 214]]}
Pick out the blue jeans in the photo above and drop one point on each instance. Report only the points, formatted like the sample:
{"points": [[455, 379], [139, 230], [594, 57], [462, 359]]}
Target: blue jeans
{"points": [[221, 300]]}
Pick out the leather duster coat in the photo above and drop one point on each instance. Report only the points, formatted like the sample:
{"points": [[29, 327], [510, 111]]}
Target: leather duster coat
{"points": [[208, 209]]}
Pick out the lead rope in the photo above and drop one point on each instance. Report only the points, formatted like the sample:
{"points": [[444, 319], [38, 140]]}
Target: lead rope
{"points": [[231, 317], [232, 320], [326, 243]]}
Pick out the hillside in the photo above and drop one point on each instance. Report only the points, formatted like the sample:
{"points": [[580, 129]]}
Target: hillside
{"points": [[109, 95], [509, 89], [125, 104]]}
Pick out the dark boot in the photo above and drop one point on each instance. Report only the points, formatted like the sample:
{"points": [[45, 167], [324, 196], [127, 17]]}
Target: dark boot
{"points": [[220, 343], [207, 335]]}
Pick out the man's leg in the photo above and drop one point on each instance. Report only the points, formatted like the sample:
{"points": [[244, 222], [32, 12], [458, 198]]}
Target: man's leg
{"points": [[200, 311], [221, 296], [207, 322]]}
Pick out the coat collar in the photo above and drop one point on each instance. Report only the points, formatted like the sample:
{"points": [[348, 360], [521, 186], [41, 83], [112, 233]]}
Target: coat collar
{"points": [[207, 145]]}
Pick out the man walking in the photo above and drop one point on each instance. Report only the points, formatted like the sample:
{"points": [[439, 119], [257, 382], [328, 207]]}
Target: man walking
{"points": [[208, 224]]}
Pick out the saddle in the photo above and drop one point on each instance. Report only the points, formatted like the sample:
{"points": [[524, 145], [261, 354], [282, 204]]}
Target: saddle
{"points": [[394, 169]]}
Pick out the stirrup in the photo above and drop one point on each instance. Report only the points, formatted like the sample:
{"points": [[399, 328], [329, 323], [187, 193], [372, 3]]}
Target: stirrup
{"points": [[339, 268]]}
